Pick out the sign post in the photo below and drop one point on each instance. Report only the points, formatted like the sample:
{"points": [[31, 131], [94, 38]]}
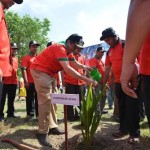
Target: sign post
{"points": [[65, 99]]}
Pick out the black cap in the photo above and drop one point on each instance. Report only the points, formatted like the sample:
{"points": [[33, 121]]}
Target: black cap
{"points": [[100, 49], [13, 46], [77, 39], [18, 1], [107, 33], [33, 43], [50, 43]]}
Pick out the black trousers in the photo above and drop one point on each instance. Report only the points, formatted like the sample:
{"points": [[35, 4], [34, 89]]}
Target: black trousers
{"points": [[9, 91], [128, 112], [31, 101], [74, 89], [145, 87]]}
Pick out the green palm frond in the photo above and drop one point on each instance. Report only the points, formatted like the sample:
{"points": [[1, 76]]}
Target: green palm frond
{"points": [[89, 115]]}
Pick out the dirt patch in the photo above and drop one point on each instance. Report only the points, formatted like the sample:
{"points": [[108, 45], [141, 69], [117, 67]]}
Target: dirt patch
{"points": [[24, 131]]}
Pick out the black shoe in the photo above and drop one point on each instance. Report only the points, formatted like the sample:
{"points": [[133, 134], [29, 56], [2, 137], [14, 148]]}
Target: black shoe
{"points": [[104, 112], [55, 131], [73, 119], [12, 116], [43, 139], [77, 118]]}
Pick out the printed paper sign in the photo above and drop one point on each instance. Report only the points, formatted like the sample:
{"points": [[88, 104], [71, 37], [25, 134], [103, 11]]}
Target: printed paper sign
{"points": [[66, 99]]}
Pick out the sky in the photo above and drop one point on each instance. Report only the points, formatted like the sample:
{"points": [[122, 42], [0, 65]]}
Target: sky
{"points": [[84, 17]]}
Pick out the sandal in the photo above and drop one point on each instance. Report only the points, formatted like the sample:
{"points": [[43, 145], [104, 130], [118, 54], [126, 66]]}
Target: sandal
{"points": [[133, 140]]}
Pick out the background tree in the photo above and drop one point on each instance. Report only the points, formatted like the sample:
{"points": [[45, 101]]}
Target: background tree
{"points": [[24, 29]]}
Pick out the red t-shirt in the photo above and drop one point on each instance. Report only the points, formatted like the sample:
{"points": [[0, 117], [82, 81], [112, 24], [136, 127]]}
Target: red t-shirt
{"points": [[48, 60], [97, 63], [4, 46], [26, 62], [14, 78], [114, 58], [68, 79], [145, 57]]}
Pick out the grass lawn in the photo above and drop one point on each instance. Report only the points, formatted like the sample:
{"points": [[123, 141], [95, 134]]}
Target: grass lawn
{"points": [[23, 131]]}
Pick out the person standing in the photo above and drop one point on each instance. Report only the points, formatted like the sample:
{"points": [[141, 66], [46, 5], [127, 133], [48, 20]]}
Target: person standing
{"points": [[137, 41], [48, 63], [96, 62], [10, 86], [5, 54], [31, 98], [128, 107], [75, 86]]}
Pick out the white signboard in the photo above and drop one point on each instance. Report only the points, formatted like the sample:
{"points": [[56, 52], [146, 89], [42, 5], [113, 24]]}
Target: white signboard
{"points": [[66, 99]]}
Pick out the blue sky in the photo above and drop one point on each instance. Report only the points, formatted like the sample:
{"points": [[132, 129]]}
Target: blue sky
{"points": [[85, 17]]}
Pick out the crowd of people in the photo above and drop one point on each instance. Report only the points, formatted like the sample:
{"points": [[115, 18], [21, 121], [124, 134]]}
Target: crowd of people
{"points": [[125, 71]]}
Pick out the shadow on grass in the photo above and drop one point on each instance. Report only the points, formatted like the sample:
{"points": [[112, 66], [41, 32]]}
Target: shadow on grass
{"points": [[15, 122], [20, 110], [19, 136]]}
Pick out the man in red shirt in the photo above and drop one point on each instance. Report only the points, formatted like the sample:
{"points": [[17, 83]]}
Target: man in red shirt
{"points": [[128, 107], [31, 98], [137, 41], [48, 63], [96, 62], [75, 86], [10, 86], [5, 67]]}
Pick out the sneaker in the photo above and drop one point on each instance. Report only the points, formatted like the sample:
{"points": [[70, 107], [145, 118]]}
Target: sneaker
{"points": [[43, 139], [119, 134], [133, 140], [104, 112]]}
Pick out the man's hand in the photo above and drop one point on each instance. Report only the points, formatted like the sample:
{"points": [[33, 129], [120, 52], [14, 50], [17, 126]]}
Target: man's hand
{"points": [[129, 79], [27, 85], [90, 81], [87, 68]]}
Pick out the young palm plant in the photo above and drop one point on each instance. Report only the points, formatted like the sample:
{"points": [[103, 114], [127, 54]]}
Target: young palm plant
{"points": [[89, 115]]}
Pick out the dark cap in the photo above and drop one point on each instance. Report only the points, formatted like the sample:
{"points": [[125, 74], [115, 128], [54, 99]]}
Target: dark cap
{"points": [[50, 43], [77, 39], [100, 49], [33, 43], [18, 1], [107, 33], [14, 46]]}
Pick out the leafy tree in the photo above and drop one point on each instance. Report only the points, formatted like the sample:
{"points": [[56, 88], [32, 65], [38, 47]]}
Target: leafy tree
{"points": [[24, 29]]}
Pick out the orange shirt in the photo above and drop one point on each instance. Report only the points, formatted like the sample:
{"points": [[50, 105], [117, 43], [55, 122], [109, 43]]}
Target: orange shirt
{"points": [[97, 63], [48, 60], [68, 79], [14, 78], [26, 62], [4, 46], [145, 57], [114, 58]]}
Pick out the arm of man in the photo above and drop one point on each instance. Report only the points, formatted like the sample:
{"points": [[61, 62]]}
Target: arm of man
{"points": [[72, 72], [106, 74], [137, 29], [24, 75], [78, 65]]}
